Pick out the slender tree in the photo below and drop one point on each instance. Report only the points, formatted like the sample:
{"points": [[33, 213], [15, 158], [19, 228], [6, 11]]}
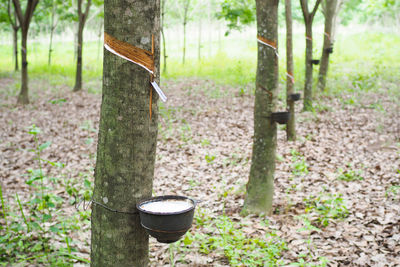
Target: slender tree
{"points": [[308, 20], [185, 5], [127, 137], [330, 9], [260, 187], [15, 26], [291, 125], [82, 17], [24, 20]]}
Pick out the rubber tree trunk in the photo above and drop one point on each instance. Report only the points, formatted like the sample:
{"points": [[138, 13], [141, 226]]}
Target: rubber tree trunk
{"points": [[309, 69], [184, 43], [330, 11], [51, 45], [15, 46], [291, 125], [127, 137], [78, 74], [199, 42], [260, 187], [24, 19], [185, 20], [82, 20], [23, 97], [308, 20]]}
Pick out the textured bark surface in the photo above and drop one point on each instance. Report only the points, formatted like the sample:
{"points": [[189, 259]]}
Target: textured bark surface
{"points": [[309, 70], [260, 188], [127, 138], [185, 21], [291, 125], [24, 20], [331, 8], [15, 26], [15, 47], [308, 20], [82, 20]]}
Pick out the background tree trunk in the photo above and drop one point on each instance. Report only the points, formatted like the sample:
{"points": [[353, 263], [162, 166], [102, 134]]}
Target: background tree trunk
{"points": [[127, 138], [309, 69], [185, 20], [15, 46], [199, 43], [53, 25], [308, 20], [260, 188], [24, 20], [23, 97], [291, 125], [331, 9], [15, 25], [82, 19]]}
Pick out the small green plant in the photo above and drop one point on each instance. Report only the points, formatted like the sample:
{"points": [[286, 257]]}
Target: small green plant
{"points": [[210, 159], [229, 240], [327, 207], [393, 192], [299, 165], [28, 236], [349, 175], [205, 142]]}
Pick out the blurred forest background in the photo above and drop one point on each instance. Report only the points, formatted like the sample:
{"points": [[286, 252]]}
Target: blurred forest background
{"points": [[337, 191]]}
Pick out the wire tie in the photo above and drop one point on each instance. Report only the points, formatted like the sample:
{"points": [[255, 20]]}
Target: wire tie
{"points": [[290, 75], [141, 57], [271, 44]]}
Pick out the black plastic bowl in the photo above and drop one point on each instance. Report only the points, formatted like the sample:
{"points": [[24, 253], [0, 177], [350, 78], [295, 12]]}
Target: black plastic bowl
{"points": [[166, 227], [281, 117], [295, 96], [315, 61]]}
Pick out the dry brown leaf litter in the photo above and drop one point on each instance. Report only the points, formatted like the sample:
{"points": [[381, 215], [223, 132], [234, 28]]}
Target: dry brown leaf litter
{"points": [[204, 150]]}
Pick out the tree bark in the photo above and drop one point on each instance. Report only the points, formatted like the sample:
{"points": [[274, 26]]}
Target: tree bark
{"points": [[24, 20], [23, 97], [15, 25], [199, 42], [53, 25], [185, 19], [184, 43], [127, 137], [82, 20], [291, 125], [308, 20], [331, 9], [260, 187], [309, 69], [15, 46]]}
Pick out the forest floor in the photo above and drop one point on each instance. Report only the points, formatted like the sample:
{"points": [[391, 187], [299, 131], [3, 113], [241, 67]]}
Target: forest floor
{"points": [[337, 188]]}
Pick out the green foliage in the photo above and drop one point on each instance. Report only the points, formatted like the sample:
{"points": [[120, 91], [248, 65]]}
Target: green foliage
{"points": [[349, 174], [237, 13], [226, 238], [299, 165], [209, 158], [30, 237], [327, 207]]}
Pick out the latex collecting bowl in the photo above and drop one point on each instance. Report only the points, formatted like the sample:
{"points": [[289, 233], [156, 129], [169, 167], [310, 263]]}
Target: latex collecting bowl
{"points": [[295, 96], [281, 117], [167, 218]]}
